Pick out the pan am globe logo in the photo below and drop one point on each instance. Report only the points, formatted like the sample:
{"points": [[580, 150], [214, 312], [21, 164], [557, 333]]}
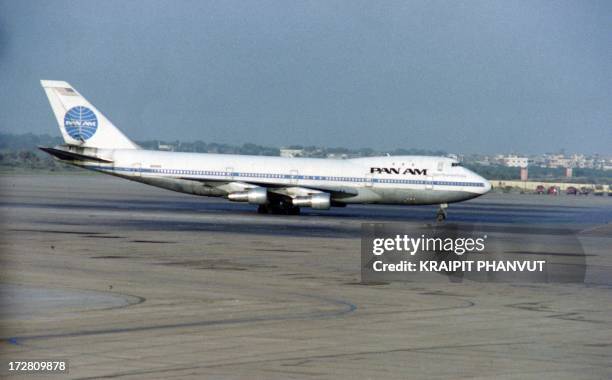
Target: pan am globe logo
{"points": [[81, 123]]}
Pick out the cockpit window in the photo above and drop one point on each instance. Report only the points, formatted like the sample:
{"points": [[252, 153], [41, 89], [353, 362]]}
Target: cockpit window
{"points": [[456, 164]]}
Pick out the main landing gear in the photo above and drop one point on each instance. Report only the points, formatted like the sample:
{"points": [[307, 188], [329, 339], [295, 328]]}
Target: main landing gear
{"points": [[278, 208], [441, 215]]}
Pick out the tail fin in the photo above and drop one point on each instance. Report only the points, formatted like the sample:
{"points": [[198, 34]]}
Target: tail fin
{"points": [[81, 123]]}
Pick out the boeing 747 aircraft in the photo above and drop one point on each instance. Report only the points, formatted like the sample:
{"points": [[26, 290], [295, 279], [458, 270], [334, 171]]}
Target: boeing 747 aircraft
{"points": [[276, 184]]}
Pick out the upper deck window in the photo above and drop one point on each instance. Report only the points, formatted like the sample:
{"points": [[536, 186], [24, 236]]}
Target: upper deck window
{"points": [[456, 164]]}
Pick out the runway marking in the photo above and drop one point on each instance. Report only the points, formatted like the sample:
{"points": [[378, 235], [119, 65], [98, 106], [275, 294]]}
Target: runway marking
{"points": [[348, 308], [153, 241], [111, 257], [540, 307], [304, 358], [57, 232], [587, 231]]}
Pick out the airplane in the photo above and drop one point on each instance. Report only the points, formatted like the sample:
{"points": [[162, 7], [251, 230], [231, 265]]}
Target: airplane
{"points": [[277, 185]]}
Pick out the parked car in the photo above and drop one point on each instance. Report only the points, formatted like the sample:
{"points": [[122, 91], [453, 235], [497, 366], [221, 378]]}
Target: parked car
{"points": [[599, 190], [553, 190], [585, 190], [540, 189], [571, 190]]}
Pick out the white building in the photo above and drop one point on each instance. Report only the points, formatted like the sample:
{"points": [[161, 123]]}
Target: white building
{"points": [[558, 161], [573, 161], [512, 161], [291, 152], [337, 156], [166, 147]]}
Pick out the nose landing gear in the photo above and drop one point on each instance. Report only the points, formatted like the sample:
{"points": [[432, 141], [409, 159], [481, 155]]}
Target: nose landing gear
{"points": [[441, 215]]}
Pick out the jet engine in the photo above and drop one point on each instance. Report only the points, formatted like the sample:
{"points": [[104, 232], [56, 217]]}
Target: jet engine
{"points": [[256, 196], [320, 201]]}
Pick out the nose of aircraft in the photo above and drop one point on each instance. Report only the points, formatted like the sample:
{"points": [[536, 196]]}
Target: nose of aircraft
{"points": [[487, 185], [478, 178]]}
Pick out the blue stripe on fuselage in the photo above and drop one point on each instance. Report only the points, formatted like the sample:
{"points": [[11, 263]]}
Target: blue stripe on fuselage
{"points": [[256, 176]]}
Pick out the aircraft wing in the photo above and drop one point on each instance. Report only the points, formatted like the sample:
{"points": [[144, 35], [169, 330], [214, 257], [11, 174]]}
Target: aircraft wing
{"points": [[336, 192]]}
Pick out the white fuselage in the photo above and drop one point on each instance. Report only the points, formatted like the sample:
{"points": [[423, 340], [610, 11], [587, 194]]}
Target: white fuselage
{"points": [[383, 180]]}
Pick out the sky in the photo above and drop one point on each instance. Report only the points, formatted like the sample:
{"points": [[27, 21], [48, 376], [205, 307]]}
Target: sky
{"points": [[460, 76]]}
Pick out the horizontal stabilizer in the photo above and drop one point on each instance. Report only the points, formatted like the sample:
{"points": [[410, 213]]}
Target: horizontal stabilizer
{"points": [[71, 156]]}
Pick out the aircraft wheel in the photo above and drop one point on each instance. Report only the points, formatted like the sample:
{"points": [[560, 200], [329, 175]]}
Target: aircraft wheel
{"points": [[280, 208], [441, 215], [277, 209]]}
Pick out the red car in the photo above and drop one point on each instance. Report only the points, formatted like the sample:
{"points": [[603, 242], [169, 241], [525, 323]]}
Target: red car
{"points": [[553, 190]]}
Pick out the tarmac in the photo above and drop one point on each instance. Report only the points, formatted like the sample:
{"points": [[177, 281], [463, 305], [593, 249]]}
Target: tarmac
{"points": [[129, 281]]}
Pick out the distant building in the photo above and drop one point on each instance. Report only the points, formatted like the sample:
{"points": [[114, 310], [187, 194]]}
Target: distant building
{"points": [[573, 161], [291, 152], [483, 160], [512, 161], [337, 156], [558, 161], [166, 147]]}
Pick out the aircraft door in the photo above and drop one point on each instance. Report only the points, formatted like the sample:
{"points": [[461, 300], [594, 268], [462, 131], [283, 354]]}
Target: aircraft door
{"points": [[294, 177], [430, 183], [368, 180], [136, 169], [229, 173]]}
